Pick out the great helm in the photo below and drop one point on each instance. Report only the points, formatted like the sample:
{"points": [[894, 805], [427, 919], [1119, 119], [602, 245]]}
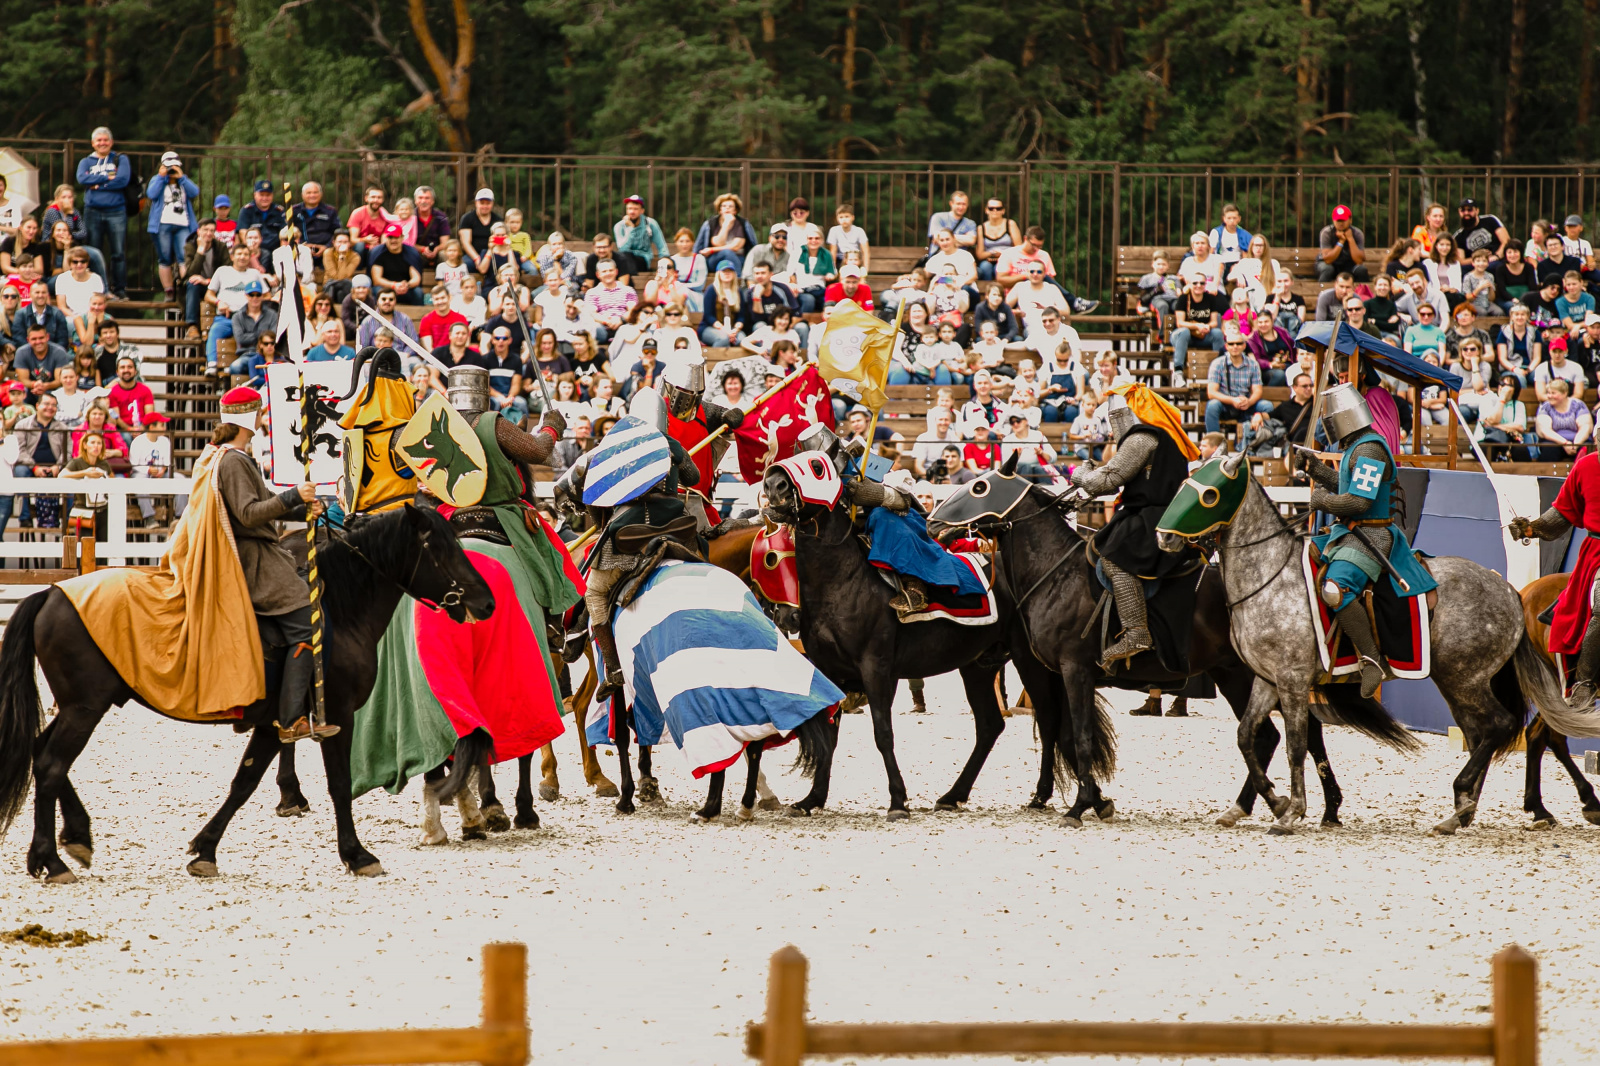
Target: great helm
{"points": [[1119, 414], [468, 388], [650, 407], [683, 382], [1344, 411]]}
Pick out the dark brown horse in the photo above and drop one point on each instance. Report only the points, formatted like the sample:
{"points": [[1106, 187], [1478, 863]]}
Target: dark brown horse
{"points": [[1536, 597]]}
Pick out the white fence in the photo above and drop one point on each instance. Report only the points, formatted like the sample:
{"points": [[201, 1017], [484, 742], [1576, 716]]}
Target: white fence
{"points": [[116, 549]]}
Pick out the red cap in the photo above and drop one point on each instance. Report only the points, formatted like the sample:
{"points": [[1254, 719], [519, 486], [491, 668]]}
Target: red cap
{"points": [[393, 230], [152, 415], [1558, 342], [241, 399], [1341, 213]]}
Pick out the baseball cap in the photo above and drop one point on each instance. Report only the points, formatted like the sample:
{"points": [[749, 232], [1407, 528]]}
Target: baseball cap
{"points": [[222, 201], [1591, 318], [484, 194], [170, 159], [779, 227], [152, 415], [729, 267], [1467, 202], [634, 199], [255, 288], [1341, 213], [361, 281], [263, 185], [393, 230], [1573, 220], [1558, 342], [851, 271]]}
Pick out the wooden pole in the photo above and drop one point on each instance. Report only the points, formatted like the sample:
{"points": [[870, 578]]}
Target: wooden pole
{"points": [[505, 995], [763, 398], [784, 1039], [1455, 429], [1516, 1008]]}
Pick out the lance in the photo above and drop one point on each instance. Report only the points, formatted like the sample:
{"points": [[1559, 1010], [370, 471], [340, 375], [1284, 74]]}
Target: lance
{"points": [[309, 422], [527, 346]]}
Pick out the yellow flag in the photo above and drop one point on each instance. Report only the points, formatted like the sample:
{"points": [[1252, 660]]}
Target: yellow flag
{"points": [[855, 347]]}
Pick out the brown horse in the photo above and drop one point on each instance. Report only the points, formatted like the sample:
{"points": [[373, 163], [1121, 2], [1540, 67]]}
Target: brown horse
{"points": [[1536, 597]]}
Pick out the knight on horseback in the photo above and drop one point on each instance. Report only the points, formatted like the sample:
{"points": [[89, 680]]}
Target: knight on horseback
{"points": [[1148, 468], [1359, 494], [1573, 626], [631, 521], [691, 420], [896, 527]]}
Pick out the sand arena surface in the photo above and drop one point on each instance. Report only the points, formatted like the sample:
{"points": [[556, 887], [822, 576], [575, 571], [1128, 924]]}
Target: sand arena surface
{"points": [[649, 937]]}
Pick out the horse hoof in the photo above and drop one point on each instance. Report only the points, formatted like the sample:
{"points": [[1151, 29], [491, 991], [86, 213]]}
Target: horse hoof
{"points": [[1107, 812], [702, 819], [1279, 804], [431, 840], [1447, 827], [1038, 803], [649, 790], [202, 868], [496, 819], [1332, 823], [371, 869], [293, 809], [747, 814], [1069, 821], [797, 812], [1546, 822], [65, 877], [947, 805], [625, 807], [1232, 816], [1281, 829], [1592, 817], [549, 793], [474, 832], [82, 854], [526, 821], [898, 815], [771, 803], [606, 790]]}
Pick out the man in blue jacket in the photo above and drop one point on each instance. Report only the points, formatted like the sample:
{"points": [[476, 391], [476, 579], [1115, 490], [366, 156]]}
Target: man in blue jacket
{"points": [[261, 211], [105, 174]]}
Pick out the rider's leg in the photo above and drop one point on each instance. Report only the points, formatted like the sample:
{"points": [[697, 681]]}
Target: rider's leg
{"points": [[1341, 587], [597, 598], [293, 630], [912, 597], [1586, 669], [1129, 595]]}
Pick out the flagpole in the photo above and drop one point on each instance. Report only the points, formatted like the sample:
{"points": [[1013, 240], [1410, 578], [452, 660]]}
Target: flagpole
{"points": [[763, 398], [872, 424]]}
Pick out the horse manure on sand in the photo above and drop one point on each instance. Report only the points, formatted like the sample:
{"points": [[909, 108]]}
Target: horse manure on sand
{"points": [[38, 936]]}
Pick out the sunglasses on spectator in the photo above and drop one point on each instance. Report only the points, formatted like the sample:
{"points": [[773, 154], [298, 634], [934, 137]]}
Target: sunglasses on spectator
{"points": [[502, 336], [994, 207], [674, 314], [1424, 312]]}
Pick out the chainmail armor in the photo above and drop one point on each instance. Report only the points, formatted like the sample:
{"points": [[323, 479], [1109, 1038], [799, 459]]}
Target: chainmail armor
{"points": [[1131, 456], [1349, 505], [872, 494]]}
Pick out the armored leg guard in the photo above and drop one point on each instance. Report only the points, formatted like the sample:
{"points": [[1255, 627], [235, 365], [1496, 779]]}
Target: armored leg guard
{"points": [[1125, 589], [612, 663], [1353, 620], [1588, 665], [912, 597]]}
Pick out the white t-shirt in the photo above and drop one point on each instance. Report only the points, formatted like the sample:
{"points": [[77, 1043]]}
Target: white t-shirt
{"points": [[228, 285], [174, 205], [552, 306], [77, 293], [1047, 343], [841, 241], [1569, 371], [764, 336], [1580, 247], [1029, 300], [144, 453], [958, 264], [1211, 270], [476, 310], [451, 276], [70, 409], [1229, 246], [1016, 260]]}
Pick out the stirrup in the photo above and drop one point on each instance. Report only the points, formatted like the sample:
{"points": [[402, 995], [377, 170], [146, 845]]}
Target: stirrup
{"points": [[612, 684], [1582, 697], [302, 729], [1369, 685], [909, 600]]}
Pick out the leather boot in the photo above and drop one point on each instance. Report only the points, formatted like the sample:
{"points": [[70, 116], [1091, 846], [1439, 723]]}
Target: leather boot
{"points": [[294, 699], [611, 662], [912, 597], [1353, 620], [1585, 669], [1128, 593]]}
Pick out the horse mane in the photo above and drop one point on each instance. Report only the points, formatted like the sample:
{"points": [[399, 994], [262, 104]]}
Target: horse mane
{"points": [[349, 583], [1044, 499]]}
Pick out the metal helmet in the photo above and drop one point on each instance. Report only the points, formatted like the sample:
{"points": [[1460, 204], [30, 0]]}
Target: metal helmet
{"points": [[818, 438], [1120, 415], [468, 389], [683, 382], [650, 407], [1344, 411]]}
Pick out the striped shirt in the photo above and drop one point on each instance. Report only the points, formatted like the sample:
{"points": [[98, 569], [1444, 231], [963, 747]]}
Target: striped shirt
{"points": [[614, 302]]}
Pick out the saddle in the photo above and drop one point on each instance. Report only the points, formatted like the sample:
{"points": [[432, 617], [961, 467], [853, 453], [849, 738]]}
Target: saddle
{"points": [[479, 522], [1400, 625], [678, 540]]}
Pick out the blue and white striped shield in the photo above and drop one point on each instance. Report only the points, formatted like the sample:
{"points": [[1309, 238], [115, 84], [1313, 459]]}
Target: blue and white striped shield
{"points": [[633, 456]]}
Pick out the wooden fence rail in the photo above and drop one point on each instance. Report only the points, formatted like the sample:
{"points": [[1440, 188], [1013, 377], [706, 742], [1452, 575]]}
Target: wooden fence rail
{"points": [[502, 1039], [785, 1038]]}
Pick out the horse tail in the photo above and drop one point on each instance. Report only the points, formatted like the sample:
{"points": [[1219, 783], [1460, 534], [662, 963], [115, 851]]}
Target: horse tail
{"points": [[19, 708], [1102, 746], [1368, 716], [472, 751], [817, 736], [1539, 685]]}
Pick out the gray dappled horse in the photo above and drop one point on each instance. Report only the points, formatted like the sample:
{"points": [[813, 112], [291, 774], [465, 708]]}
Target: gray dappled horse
{"points": [[1484, 665]]}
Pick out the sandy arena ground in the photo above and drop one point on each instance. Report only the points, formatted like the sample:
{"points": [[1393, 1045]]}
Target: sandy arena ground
{"points": [[650, 936]]}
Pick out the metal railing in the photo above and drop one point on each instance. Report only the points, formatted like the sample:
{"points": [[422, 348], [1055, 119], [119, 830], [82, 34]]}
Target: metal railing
{"points": [[1087, 208]]}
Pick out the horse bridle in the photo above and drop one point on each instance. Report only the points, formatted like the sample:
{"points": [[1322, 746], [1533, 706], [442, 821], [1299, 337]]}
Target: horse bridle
{"points": [[1287, 527], [453, 598]]}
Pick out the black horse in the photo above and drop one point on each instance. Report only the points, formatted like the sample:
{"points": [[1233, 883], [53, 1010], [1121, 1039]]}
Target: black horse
{"points": [[855, 638], [1044, 569], [408, 551]]}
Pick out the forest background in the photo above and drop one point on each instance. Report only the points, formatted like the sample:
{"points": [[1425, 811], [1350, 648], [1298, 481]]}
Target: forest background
{"points": [[1359, 81]]}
